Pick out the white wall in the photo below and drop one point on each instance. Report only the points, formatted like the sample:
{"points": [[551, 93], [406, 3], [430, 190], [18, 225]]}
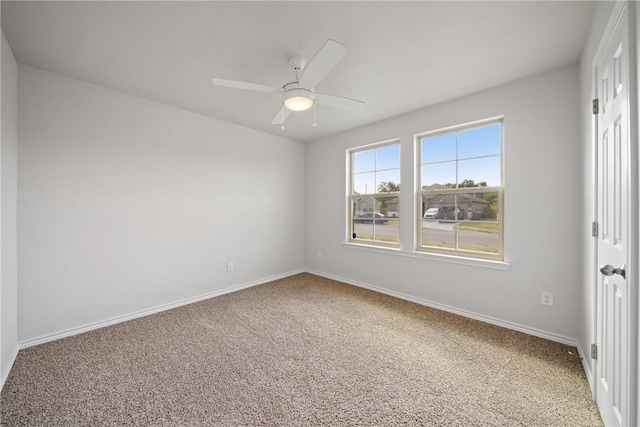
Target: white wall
{"points": [[126, 204], [542, 209], [8, 211]]}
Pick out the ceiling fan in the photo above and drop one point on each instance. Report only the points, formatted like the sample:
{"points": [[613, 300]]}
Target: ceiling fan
{"points": [[300, 95]]}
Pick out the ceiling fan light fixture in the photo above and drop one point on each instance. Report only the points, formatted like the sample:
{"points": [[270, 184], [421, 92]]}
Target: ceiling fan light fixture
{"points": [[298, 99]]}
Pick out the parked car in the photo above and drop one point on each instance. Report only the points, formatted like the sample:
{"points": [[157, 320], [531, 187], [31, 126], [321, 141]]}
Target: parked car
{"points": [[431, 213], [368, 217], [450, 213]]}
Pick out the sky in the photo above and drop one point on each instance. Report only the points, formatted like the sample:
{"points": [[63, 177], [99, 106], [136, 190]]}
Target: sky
{"points": [[478, 158], [478, 153]]}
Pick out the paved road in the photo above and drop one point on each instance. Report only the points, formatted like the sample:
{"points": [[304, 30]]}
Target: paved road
{"points": [[474, 239]]}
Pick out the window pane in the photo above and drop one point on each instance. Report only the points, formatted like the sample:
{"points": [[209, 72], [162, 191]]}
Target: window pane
{"points": [[482, 141], [388, 180], [478, 236], [478, 206], [363, 231], [364, 209], [364, 161], [364, 205], [456, 213], [439, 206], [438, 148], [438, 234], [439, 173], [479, 230], [438, 223], [485, 170], [388, 157], [375, 219], [387, 223], [387, 204], [364, 183]]}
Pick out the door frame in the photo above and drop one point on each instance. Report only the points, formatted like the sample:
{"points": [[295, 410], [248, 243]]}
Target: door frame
{"points": [[632, 415]]}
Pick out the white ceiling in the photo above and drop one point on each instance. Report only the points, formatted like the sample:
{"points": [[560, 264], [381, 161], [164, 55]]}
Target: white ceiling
{"points": [[402, 55]]}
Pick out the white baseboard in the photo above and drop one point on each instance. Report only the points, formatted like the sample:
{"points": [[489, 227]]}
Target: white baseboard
{"points": [[119, 319], [7, 368], [481, 317]]}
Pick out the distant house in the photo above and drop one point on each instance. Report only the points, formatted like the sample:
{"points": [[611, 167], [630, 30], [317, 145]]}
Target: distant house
{"points": [[382, 204], [472, 205]]}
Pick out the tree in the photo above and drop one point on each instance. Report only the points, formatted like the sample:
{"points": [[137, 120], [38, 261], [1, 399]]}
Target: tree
{"points": [[492, 198], [386, 187], [471, 183], [467, 183]]}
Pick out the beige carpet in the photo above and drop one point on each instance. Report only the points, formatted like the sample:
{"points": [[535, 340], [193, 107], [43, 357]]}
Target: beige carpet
{"points": [[301, 351]]}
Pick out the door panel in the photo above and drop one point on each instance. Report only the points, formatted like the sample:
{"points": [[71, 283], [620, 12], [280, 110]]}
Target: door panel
{"points": [[613, 300]]}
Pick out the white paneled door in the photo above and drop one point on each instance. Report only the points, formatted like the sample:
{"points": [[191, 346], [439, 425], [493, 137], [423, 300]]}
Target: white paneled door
{"points": [[614, 340]]}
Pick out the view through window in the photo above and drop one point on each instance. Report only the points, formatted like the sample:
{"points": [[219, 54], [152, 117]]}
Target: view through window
{"points": [[374, 194], [461, 193]]}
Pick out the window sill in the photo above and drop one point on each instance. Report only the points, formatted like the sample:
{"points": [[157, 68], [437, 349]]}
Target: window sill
{"points": [[476, 262]]}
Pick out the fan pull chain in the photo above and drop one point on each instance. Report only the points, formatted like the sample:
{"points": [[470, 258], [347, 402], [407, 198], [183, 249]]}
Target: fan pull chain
{"points": [[315, 124], [282, 111]]}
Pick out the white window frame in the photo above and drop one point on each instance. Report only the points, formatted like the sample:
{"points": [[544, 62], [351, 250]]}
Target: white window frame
{"points": [[351, 195], [462, 253]]}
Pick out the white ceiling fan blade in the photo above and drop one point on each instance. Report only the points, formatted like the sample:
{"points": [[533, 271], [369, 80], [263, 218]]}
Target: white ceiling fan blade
{"points": [[325, 60], [244, 85], [338, 102], [282, 115]]}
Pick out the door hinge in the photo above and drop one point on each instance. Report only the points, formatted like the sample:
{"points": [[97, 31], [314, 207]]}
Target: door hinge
{"points": [[594, 229], [594, 351], [595, 105]]}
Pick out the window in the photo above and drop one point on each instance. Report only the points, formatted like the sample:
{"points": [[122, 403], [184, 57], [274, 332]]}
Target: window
{"points": [[460, 197], [374, 189]]}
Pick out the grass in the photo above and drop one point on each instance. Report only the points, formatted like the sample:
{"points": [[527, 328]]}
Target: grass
{"points": [[370, 238], [485, 227], [462, 247]]}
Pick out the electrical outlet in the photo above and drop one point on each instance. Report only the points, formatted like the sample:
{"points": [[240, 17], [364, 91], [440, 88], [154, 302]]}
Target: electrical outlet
{"points": [[230, 266], [319, 254], [547, 299]]}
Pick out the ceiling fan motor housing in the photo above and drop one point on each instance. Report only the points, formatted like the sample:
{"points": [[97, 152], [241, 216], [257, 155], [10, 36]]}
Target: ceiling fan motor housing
{"points": [[297, 98]]}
